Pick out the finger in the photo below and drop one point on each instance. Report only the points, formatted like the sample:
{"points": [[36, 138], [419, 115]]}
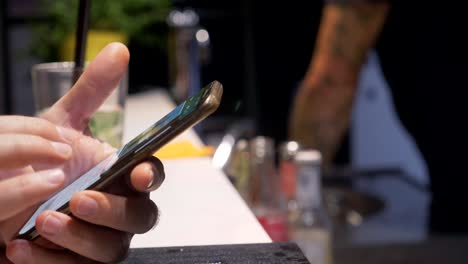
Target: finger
{"points": [[91, 241], [44, 243], [130, 214], [21, 192], [33, 126], [95, 84], [147, 176], [9, 173], [25, 252], [18, 150], [143, 178]]}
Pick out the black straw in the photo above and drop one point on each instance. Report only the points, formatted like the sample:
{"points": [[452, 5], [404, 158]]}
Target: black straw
{"points": [[81, 37]]}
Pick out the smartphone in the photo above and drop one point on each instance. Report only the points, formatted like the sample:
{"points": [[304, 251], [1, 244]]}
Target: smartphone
{"points": [[183, 117]]}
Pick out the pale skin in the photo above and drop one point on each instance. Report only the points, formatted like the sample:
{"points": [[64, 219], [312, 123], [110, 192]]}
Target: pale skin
{"points": [[38, 156], [322, 108]]}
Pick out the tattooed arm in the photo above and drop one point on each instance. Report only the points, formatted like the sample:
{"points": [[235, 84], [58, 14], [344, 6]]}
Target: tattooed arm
{"points": [[322, 108]]}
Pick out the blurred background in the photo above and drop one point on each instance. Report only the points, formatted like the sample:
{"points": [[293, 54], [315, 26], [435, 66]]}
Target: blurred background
{"points": [[259, 51]]}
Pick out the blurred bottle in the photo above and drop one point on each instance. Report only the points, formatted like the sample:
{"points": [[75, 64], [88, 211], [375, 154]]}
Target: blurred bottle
{"points": [[188, 50], [265, 197], [309, 224], [238, 169], [288, 171]]}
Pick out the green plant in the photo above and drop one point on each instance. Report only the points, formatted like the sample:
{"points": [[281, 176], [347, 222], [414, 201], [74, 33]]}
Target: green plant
{"points": [[131, 17]]}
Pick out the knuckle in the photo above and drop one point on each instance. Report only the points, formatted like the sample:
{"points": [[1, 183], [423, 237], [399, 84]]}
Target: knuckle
{"points": [[18, 145], [116, 210], [22, 185]]}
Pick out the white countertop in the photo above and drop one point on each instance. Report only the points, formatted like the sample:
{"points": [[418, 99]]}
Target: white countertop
{"points": [[198, 205]]}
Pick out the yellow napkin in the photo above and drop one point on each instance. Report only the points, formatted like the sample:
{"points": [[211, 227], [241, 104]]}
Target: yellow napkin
{"points": [[183, 149]]}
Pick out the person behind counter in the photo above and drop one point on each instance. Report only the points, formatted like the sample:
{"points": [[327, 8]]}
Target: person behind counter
{"points": [[423, 58], [38, 156]]}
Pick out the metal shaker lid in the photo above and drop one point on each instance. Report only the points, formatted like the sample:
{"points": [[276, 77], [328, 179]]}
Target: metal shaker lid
{"points": [[310, 156]]}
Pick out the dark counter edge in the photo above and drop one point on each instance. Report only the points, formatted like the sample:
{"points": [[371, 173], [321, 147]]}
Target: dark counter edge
{"points": [[280, 252], [433, 250]]}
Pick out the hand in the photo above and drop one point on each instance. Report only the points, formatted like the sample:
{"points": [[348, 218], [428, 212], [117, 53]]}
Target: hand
{"points": [[103, 223]]}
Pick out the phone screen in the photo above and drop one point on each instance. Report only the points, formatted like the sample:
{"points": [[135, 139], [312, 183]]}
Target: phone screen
{"points": [[136, 145]]}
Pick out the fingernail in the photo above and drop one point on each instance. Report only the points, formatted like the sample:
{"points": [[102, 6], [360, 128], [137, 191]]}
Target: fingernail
{"points": [[55, 176], [62, 149], [157, 176], [19, 251], [87, 206], [66, 134], [150, 172], [52, 225]]}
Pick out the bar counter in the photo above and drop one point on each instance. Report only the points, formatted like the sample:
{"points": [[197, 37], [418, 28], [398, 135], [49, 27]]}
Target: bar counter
{"points": [[198, 205]]}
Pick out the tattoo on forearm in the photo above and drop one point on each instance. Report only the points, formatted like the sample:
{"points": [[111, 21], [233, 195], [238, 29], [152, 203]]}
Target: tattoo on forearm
{"points": [[351, 30], [326, 80], [321, 115], [323, 132]]}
